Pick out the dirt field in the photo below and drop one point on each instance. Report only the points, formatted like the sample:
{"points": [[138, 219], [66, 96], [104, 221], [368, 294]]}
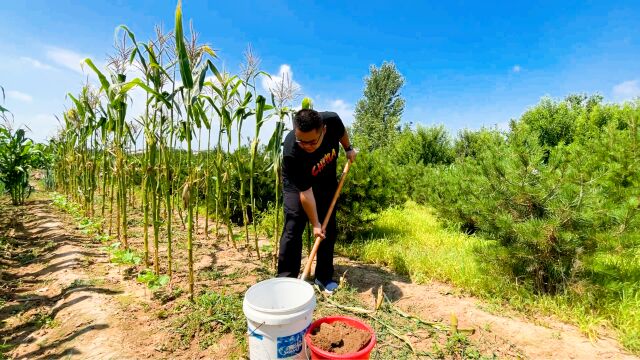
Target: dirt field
{"points": [[61, 297]]}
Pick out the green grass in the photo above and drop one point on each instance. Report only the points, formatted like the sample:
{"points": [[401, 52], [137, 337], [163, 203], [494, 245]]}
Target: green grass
{"points": [[413, 242], [211, 316]]}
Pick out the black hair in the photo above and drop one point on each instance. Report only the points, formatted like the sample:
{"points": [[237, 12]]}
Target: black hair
{"points": [[307, 119]]}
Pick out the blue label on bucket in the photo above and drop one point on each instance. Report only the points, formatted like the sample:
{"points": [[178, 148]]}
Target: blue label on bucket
{"points": [[290, 345]]}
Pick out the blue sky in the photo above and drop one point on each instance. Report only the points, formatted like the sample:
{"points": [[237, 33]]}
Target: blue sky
{"points": [[466, 65]]}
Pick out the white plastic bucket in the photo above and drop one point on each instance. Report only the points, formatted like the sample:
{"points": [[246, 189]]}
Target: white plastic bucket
{"points": [[278, 312]]}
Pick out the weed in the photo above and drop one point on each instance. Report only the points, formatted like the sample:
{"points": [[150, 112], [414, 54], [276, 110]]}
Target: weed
{"points": [[77, 283], [122, 256], [61, 202], [162, 314], [211, 274], [167, 296], [89, 226], [4, 350], [458, 346], [237, 274], [152, 280], [266, 249], [102, 238], [28, 256], [211, 316], [49, 245], [145, 306], [43, 320]]}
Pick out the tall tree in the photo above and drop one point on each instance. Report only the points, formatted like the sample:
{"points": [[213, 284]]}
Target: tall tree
{"points": [[378, 113]]}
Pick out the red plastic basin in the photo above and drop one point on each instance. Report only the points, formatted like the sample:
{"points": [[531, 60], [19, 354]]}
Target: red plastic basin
{"points": [[317, 353]]}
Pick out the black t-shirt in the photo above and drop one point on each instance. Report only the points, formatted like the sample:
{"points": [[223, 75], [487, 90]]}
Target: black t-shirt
{"points": [[302, 170]]}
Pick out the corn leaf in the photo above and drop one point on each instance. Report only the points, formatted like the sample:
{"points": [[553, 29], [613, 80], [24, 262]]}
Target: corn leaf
{"points": [[181, 50], [103, 79]]}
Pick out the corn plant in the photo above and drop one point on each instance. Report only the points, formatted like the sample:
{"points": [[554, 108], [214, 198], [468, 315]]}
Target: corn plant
{"points": [[3, 111], [156, 105], [283, 93], [97, 153], [226, 87], [17, 155], [83, 122], [192, 85], [250, 71]]}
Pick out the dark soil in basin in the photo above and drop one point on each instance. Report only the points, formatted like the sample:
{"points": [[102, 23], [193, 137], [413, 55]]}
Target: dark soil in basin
{"points": [[339, 338]]}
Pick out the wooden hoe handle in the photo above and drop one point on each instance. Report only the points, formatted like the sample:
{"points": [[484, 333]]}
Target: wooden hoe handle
{"points": [[316, 244]]}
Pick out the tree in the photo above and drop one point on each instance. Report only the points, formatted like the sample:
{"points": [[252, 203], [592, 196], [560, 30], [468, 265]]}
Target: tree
{"points": [[424, 145], [378, 113]]}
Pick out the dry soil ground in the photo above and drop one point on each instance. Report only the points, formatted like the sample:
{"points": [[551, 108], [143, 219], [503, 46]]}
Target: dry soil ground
{"points": [[62, 298]]}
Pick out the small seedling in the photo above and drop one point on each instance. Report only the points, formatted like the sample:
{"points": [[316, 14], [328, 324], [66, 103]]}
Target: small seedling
{"points": [[122, 256], [102, 238], [152, 280]]}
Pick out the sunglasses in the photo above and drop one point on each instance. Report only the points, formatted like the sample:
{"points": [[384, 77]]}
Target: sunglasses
{"points": [[311, 142]]}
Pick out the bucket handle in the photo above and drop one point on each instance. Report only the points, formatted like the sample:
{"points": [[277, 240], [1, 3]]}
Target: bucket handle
{"points": [[253, 332]]}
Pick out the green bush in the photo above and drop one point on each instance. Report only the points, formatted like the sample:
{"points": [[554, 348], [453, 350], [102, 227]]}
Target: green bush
{"points": [[546, 205], [424, 145], [371, 187], [470, 143]]}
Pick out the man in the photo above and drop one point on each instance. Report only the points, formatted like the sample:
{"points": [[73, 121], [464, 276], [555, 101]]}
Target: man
{"points": [[310, 156]]}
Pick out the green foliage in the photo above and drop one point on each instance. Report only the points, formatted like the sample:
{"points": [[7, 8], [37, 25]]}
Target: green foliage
{"points": [[459, 346], [89, 226], [546, 204], [18, 154], [4, 112], [307, 103], [210, 316], [378, 113], [102, 238], [556, 122], [470, 143], [4, 347], [425, 145], [553, 122], [371, 187], [62, 203], [121, 256], [412, 241], [152, 280], [165, 296], [44, 320]]}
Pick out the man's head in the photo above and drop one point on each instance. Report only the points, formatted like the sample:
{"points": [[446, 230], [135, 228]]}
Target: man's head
{"points": [[309, 129]]}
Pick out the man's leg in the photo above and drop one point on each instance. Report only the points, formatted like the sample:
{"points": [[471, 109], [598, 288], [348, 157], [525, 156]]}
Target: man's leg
{"points": [[324, 265], [295, 220]]}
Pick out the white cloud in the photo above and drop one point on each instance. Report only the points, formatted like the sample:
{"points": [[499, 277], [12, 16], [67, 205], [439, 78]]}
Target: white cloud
{"points": [[43, 126], [67, 58], [343, 109], [627, 90], [516, 68], [36, 64], [20, 96], [285, 73]]}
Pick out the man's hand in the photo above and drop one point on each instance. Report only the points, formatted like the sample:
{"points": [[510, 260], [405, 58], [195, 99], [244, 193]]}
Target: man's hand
{"points": [[351, 155], [317, 231]]}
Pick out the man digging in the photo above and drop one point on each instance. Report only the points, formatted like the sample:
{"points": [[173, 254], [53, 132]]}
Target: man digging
{"points": [[310, 157]]}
